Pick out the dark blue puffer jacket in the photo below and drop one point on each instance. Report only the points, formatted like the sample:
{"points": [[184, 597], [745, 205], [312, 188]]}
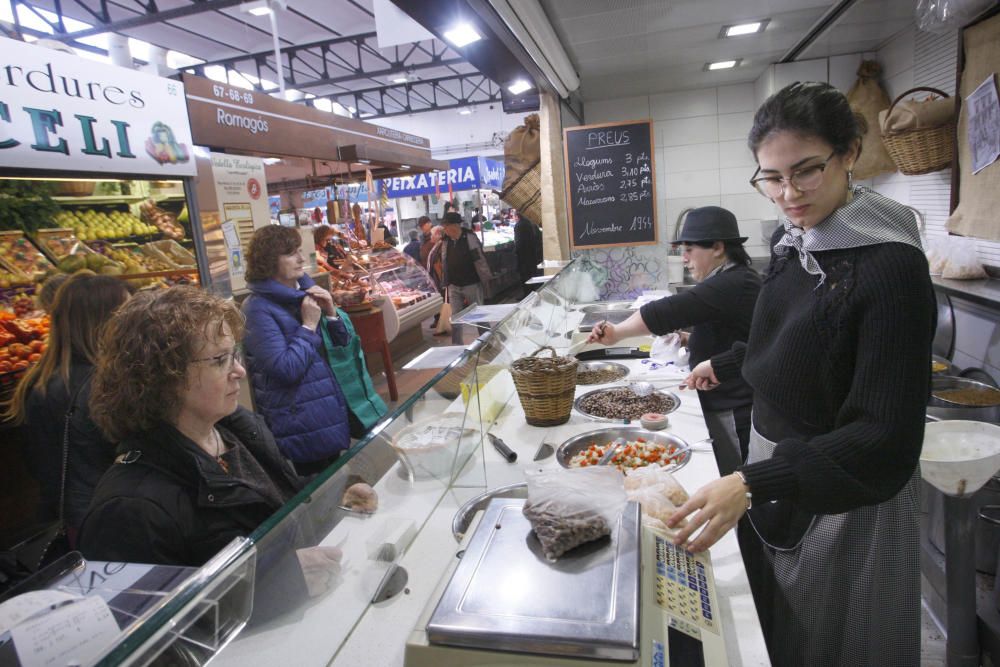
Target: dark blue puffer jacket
{"points": [[294, 389]]}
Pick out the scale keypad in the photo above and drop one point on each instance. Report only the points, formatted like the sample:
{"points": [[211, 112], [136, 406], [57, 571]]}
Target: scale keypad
{"points": [[685, 589]]}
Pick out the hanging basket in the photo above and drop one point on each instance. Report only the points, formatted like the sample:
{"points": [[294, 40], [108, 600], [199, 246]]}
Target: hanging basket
{"points": [[921, 150], [545, 386], [525, 194]]}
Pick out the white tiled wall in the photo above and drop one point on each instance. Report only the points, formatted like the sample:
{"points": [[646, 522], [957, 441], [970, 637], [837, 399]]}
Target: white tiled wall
{"points": [[701, 153]]}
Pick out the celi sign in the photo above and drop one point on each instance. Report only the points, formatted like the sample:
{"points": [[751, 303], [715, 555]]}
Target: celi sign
{"points": [[62, 112]]}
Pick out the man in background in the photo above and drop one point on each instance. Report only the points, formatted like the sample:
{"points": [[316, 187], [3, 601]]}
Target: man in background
{"points": [[465, 267]]}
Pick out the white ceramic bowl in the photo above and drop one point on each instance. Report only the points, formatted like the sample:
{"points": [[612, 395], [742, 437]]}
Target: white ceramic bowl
{"points": [[959, 456], [435, 448]]}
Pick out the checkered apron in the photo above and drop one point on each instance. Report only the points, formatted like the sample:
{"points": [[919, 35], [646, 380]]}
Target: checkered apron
{"points": [[848, 591]]}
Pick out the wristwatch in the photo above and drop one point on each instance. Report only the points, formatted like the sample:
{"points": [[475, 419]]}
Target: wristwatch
{"points": [[743, 478]]}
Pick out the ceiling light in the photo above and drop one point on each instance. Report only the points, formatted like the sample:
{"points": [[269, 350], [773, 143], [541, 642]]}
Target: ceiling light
{"points": [[404, 166], [365, 161], [465, 111], [462, 35], [260, 8], [400, 79], [722, 64], [744, 28], [519, 86]]}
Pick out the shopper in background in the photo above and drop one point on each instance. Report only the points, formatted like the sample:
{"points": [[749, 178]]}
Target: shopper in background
{"points": [[46, 294], [51, 400], [426, 243], [387, 233], [719, 309], [413, 247], [837, 358], [434, 266], [294, 388], [465, 267], [528, 251]]}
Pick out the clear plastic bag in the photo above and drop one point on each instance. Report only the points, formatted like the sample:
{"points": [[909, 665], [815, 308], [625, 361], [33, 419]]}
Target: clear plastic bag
{"points": [[943, 16], [962, 262], [668, 350], [567, 508], [659, 494], [937, 254]]}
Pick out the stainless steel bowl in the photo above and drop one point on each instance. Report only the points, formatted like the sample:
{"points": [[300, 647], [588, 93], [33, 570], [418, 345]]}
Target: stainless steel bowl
{"points": [[594, 366], [463, 517], [578, 443], [621, 420], [945, 409]]}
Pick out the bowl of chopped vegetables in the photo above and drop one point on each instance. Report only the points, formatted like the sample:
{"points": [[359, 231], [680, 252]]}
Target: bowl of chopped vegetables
{"points": [[641, 448]]}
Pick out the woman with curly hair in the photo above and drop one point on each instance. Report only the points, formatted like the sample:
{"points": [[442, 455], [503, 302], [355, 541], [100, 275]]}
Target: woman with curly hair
{"points": [[293, 328], [193, 470], [51, 400]]}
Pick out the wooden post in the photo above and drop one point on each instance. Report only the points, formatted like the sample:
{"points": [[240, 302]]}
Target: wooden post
{"points": [[555, 231]]}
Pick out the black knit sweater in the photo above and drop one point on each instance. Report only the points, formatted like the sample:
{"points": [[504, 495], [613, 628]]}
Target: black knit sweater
{"points": [[841, 375], [719, 310]]}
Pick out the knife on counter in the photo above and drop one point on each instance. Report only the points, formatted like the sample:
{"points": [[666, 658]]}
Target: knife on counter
{"points": [[509, 454]]}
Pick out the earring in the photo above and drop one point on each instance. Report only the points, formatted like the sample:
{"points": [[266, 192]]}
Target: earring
{"points": [[850, 181]]}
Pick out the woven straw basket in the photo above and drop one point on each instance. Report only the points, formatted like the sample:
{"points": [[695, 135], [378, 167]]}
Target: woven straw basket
{"points": [[545, 386], [526, 194], [921, 150]]}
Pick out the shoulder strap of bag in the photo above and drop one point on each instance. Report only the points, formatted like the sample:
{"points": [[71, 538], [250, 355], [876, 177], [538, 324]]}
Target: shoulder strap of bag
{"points": [[65, 447]]}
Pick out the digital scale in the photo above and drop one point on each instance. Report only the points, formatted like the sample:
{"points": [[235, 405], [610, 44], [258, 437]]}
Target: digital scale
{"points": [[631, 599]]}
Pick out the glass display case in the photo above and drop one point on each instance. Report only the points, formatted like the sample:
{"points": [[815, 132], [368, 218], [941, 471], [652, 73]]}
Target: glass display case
{"points": [[433, 454]]}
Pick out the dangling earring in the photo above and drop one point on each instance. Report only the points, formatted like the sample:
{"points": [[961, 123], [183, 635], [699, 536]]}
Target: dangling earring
{"points": [[850, 181]]}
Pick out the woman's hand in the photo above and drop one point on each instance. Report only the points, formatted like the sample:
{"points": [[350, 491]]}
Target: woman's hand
{"points": [[720, 505], [324, 299], [702, 377], [604, 333], [310, 313], [319, 565]]}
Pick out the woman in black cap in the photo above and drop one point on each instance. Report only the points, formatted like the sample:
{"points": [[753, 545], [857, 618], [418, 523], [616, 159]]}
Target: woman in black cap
{"points": [[719, 310]]}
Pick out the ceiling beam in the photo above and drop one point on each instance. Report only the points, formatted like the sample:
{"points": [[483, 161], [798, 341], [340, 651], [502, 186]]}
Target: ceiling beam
{"points": [[199, 7]]}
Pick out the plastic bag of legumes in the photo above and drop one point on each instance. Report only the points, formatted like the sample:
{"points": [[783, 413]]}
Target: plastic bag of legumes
{"points": [[568, 508]]}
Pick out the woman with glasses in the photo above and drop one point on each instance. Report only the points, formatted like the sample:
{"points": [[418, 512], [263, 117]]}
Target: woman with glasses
{"points": [[838, 358], [718, 309], [193, 470], [291, 322]]}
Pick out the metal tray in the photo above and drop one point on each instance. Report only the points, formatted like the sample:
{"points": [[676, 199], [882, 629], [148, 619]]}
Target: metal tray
{"points": [[609, 305], [602, 366], [578, 443], [613, 316], [620, 420], [465, 514], [505, 596]]}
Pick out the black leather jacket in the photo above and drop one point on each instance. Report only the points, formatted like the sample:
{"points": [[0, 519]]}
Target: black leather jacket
{"points": [[165, 502]]}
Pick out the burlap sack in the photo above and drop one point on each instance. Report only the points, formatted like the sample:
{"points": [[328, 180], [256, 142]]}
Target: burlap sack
{"points": [[932, 111], [521, 150], [868, 99]]}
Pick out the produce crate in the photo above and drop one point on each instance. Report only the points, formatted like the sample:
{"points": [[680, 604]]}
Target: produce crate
{"points": [[21, 256], [60, 243], [172, 252]]}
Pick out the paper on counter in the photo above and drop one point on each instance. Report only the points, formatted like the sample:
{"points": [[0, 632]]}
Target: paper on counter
{"points": [[75, 634], [21, 608]]}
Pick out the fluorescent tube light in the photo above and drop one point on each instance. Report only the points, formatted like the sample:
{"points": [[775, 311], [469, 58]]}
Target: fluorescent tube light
{"points": [[744, 29], [465, 111], [722, 64]]}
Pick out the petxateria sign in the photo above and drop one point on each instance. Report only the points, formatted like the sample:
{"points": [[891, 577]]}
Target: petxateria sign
{"points": [[62, 112]]}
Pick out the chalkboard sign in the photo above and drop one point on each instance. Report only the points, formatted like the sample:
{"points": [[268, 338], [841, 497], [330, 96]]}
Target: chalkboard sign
{"points": [[610, 184]]}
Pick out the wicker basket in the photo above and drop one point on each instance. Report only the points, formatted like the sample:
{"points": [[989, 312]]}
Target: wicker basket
{"points": [[545, 386], [526, 194], [921, 150]]}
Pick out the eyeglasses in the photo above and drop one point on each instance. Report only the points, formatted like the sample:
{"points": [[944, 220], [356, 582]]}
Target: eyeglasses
{"points": [[803, 180], [226, 360]]}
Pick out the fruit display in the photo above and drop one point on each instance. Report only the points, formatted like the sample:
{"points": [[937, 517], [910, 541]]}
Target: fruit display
{"points": [[8, 278], [20, 256], [60, 243], [171, 251], [22, 342], [165, 221], [89, 224], [132, 257]]}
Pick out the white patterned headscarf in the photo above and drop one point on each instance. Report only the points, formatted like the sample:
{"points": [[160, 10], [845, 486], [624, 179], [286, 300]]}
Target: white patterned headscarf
{"points": [[868, 219]]}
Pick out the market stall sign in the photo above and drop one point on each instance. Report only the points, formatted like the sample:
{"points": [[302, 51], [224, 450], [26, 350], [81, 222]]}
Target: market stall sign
{"points": [[467, 173], [232, 118], [611, 185], [59, 112]]}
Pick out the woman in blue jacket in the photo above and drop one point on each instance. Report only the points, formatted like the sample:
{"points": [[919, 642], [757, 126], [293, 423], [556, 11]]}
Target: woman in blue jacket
{"points": [[294, 388]]}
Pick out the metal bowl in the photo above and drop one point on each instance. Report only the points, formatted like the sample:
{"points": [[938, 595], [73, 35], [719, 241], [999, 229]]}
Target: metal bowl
{"points": [[580, 442], [463, 517], [594, 366], [622, 420], [945, 409]]}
